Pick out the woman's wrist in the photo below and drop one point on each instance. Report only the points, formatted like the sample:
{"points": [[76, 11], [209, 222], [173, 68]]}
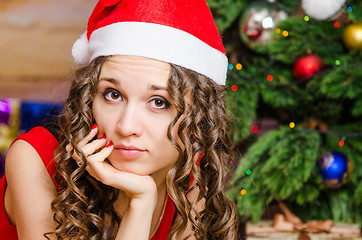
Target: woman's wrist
{"points": [[146, 201], [136, 223]]}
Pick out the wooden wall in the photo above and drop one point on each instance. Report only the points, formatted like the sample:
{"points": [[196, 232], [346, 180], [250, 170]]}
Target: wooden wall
{"points": [[36, 37]]}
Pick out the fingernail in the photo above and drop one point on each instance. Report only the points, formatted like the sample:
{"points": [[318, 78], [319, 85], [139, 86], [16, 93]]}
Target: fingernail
{"points": [[109, 144], [103, 137], [94, 126]]}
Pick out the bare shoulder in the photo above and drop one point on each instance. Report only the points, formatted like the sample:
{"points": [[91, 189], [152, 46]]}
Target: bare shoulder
{"points": [[24, 163], [29, 192]]}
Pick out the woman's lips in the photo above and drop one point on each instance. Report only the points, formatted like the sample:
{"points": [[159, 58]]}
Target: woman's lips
{"points": [[128, 152]]}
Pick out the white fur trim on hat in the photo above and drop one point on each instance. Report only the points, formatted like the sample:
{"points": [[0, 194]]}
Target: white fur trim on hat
{"points": [[80, 50], [157, 42]]}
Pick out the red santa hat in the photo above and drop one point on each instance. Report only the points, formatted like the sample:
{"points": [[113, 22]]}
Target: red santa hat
{"points": [[182, 32]]}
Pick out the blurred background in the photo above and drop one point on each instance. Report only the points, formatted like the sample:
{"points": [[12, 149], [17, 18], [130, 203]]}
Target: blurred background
{"points": [[295, 89], [36, 37]]}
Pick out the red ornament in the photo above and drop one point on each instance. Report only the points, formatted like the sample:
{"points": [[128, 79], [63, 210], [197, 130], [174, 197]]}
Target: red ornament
{"points": [[306, 66]]}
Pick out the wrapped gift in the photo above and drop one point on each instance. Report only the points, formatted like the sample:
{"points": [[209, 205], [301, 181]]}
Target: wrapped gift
{"points": [[287, 226], [265, 230]]}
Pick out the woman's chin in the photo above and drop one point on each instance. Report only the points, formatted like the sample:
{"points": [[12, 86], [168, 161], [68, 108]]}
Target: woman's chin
{"points": [[129, 168]]}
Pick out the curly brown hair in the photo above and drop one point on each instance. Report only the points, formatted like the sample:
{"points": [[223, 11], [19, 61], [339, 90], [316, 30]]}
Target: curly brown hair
{"points": [[84, 207]]}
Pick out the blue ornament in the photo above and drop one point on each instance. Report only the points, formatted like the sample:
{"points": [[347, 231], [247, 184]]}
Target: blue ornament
{"points": [[336, 169]]}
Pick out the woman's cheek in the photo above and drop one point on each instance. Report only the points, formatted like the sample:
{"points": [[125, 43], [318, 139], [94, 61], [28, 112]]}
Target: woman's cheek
{"points": [[101, 130]]}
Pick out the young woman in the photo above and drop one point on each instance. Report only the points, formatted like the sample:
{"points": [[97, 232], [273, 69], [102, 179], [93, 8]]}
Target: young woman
{"points": [[141, 149]]}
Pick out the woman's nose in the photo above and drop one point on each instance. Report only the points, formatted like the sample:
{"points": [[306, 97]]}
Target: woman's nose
{"points": [[129, 121]]}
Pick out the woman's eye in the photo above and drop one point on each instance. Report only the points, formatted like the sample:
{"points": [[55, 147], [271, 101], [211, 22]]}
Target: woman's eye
{"points": [[112, 95], [159, 103]]}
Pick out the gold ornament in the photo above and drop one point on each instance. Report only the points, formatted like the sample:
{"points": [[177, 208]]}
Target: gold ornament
{"points": [[352, 36]]}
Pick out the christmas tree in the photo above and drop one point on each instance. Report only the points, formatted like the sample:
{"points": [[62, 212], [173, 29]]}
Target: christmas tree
{"points": [[295, 90]]}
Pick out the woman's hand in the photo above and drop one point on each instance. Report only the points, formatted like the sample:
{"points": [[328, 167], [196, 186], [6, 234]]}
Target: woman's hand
{"points": [[141, 190], [136, 187]]}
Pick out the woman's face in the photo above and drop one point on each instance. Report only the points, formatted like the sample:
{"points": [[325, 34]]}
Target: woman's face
{"points": [[133, 110]]}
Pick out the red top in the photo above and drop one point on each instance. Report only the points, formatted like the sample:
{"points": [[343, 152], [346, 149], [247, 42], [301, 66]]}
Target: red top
{"points": [[45, 144]]}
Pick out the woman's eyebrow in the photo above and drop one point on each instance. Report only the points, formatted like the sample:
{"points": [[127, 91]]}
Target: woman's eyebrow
{"points": [[116, 82], [157, 87], [111, 80]]}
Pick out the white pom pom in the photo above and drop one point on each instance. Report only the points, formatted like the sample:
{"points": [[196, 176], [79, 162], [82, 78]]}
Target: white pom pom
{"points": [[322, 9], [80, 50]]}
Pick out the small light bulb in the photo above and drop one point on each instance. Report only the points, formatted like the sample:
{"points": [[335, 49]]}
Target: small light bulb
{"points": [[255, 128], [238, 66]]}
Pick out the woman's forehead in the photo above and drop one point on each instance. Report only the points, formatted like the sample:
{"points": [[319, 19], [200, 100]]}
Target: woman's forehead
{"points": [[137, 61], [134, 67]]}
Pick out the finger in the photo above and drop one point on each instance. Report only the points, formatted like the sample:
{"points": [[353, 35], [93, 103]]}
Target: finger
{"points": [[96, 162], [82, 142], [89, 149], [93, 146], [69, 147], [89, 136], [100, 156]]}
